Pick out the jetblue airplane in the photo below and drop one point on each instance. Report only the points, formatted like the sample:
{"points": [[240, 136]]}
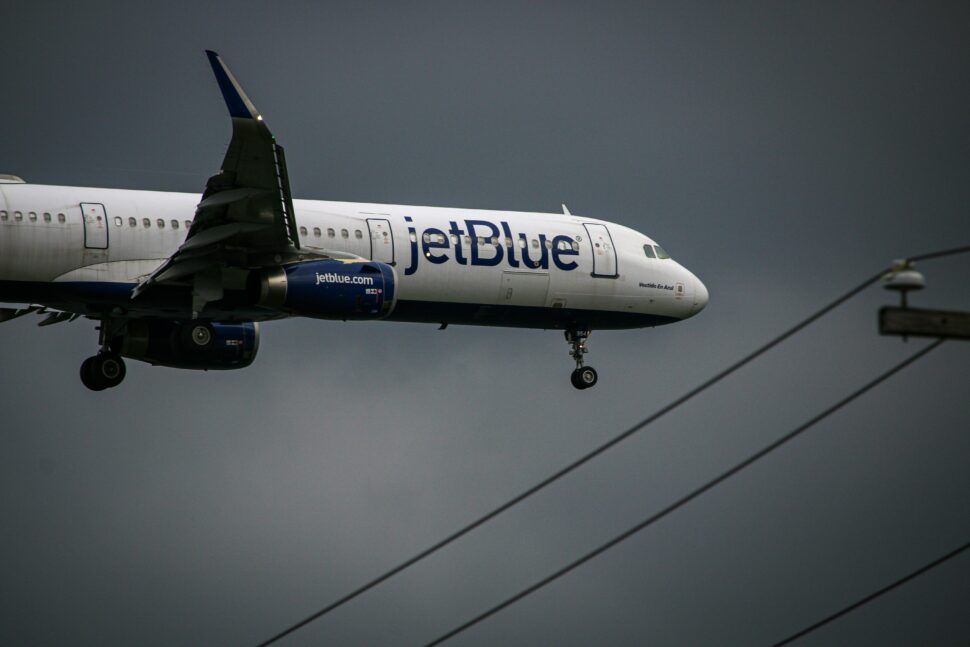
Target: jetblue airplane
{"points": [[182, 281]]}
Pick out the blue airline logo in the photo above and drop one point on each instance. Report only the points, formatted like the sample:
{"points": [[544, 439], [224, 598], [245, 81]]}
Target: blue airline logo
{"points": [[434, 243]]}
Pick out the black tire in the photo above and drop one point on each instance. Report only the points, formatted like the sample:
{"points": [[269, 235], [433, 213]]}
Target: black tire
{"points": [[586, 377], [108, 369], [574, 379], [88, 378]]}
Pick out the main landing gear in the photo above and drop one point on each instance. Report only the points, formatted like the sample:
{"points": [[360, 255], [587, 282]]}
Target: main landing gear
{"points": [[105, 370], [584, 376]]}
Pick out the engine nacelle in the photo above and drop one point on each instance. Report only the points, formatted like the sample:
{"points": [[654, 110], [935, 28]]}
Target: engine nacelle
{"points": [[191, 344], [329, 289]]}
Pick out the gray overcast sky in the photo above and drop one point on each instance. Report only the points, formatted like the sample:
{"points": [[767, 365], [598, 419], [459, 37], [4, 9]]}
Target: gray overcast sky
{"points": [[781, 151]]}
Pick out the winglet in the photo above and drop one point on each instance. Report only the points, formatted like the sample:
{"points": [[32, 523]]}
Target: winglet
{"points": [[236, 100]]}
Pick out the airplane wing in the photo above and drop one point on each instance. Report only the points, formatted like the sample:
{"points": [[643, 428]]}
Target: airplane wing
{"points": [[245, 218]]}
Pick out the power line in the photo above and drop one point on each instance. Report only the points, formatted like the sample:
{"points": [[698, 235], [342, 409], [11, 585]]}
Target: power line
{"points": [[598, 450], [686, 499], [578, 462], [869, 598], [940, 254]]}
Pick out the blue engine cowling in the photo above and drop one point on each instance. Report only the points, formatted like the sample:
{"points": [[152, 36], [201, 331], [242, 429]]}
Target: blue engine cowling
{"points": [[191, 344], [329, 289]]}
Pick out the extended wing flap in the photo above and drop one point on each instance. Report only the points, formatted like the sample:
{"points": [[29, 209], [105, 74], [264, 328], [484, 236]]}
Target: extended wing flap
{"points": [[8, 314]]}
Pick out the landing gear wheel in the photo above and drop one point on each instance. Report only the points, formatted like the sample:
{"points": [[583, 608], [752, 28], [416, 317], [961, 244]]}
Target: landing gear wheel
{"points": [[584, 377], [103, 371], [109, 368], [87, 375]]}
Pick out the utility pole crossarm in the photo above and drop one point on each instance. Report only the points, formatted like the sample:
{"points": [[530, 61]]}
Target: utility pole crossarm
{"points": [[915, 322]]}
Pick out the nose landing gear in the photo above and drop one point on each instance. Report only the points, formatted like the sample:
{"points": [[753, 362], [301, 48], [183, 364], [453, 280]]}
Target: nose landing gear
{"points": [[582, 377]]}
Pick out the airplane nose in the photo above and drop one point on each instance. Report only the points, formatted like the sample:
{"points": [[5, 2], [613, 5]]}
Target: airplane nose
{"points": [[700, 296]]}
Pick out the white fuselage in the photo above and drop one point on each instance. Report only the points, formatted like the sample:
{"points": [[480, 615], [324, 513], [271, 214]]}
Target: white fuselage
{"points": [[54, 234]]}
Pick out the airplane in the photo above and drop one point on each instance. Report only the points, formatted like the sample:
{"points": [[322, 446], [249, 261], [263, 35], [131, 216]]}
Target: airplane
{"points": [[184, 281]]}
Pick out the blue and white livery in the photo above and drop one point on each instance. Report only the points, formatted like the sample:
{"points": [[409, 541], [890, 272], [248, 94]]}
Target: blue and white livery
{"points": [[183, 280]]}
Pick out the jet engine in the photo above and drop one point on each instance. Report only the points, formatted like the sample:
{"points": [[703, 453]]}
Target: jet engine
{"points": [[328, 289], [190, 344]]}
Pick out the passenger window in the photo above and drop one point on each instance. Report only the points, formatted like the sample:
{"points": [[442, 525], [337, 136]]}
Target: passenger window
{"points": [[32, 215], [344, 233], [548, 244], [330, 232], [3, 215], [660, 252], [132, 222], [303, 231], [118, 219], [160, 223], [17, 215], [648, 250], [426, 237], [47, 217], [175, 224], [454, 239], [535, 243], [575, 246], [60, 217], [358, 234], [522, 243], [317, 232], [188, 224], [468, 241], [146, 223]]}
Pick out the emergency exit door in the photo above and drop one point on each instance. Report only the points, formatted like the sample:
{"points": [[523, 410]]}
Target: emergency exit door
{"points": [[95, 225]]}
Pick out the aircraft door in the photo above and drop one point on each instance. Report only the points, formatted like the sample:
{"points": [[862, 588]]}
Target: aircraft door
{"points": [[524, 288], [381, 240], [604, 253], [95, 225]]}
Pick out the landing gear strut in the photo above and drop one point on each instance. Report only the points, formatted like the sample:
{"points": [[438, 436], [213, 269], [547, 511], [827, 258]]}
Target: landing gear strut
{"points": [[584, 376], [105, 370]]}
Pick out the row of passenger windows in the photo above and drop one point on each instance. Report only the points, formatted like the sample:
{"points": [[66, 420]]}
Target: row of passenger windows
{"points": [[147, 222], [31, 215], [655, 251], [331, 233], [481, 241], [18, 216]]}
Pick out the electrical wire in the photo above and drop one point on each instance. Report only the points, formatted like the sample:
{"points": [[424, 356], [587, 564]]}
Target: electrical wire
{"points": [[872, 596], [687, 498], [600, 449]]}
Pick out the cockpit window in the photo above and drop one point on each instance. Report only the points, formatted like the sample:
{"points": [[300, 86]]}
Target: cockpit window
{"points": [[660, 252], [648, 250]]}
